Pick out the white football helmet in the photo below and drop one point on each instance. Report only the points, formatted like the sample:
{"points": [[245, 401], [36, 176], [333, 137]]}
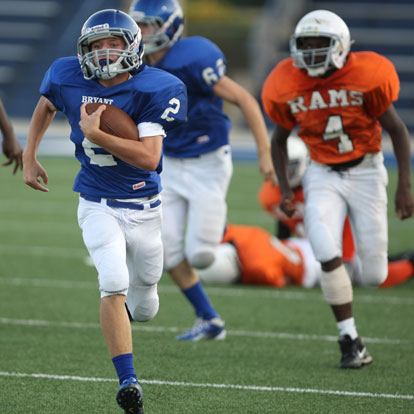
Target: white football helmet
{"points": [[297, 154], [321, 23]]}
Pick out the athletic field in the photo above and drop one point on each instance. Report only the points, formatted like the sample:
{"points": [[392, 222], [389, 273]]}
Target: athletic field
{"points": [[280, 355]]}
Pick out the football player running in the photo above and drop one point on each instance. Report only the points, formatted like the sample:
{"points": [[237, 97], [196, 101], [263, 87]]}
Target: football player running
{"points": [[339, 100], [400, 265], [250, 255], [197, 157], [119, 179], [11, 147]]}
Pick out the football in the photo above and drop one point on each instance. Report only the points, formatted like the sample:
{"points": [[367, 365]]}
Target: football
{"points": [[115, 121]]}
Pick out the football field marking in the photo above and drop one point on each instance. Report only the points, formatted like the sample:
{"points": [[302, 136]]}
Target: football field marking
{"points": [[212, 385], [246, 291], [171, 329], [44, 251]]}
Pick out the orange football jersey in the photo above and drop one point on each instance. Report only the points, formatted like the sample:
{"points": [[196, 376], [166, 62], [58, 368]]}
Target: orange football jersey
{"points": [[264, 260], [337, 115]]}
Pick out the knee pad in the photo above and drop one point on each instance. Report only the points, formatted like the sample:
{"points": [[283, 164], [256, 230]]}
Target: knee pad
{"points": [[374, 271], [113, 283], [143, 302], [336, 286], [144, 312], [172, 258], [113, 274], [202, 258], [105, 293]]}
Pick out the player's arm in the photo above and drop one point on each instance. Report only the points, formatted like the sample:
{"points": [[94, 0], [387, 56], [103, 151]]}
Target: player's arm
{"points": [[232, 92], [280, 161], [11, 147], [32, 169], [392, 123], [144, 154]]}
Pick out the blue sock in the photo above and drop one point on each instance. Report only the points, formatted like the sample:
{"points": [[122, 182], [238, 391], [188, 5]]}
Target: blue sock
{"points": [[124, 367], [198, 298]]}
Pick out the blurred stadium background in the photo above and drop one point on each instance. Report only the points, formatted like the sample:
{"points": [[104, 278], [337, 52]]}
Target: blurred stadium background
{"points": [[253, 34], [280, 355]]}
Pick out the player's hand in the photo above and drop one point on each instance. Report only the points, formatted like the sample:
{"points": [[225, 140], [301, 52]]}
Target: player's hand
{"points": [[287, 203], [31, 172], [266, 168], [14, 152], [404, 203], [89, 124]]}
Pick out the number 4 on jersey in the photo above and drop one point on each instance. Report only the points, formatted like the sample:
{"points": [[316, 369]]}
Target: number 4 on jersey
{"points": [[335, 130]]}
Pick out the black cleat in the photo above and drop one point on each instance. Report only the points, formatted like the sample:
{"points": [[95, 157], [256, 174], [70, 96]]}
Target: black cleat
{"points": [[129, 397], [354, 353]]}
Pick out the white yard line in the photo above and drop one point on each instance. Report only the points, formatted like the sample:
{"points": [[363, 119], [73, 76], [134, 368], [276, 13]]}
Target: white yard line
{"points": [[212, 385], [261, 292], [41, 251], [171, 329]]}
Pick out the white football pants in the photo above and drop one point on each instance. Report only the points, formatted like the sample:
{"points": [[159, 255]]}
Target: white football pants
{"points": [[194, 206], [360, 193], [126, 248]]}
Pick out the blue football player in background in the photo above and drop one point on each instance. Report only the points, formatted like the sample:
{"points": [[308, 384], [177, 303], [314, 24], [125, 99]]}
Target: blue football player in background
{"points": [[197, 157], [119, 181]]}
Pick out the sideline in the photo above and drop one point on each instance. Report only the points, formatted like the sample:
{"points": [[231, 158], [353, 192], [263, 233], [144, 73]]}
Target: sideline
{"points": [[56, 141]]}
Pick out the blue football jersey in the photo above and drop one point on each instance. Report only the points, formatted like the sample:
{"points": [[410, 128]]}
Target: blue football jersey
{"points": [[151, 95], [199, 63]]}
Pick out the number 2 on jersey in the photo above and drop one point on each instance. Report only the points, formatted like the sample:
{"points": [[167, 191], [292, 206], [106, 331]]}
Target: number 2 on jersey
{"points": [[171, 109], [103, 160], [334, 130]]}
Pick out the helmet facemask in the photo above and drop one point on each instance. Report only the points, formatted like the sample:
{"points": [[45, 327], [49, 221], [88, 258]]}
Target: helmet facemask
{"points": [[157, 37], [317, 61], [100, 63], [161, 23], [97, 63], [335, 43], [154, 38]]}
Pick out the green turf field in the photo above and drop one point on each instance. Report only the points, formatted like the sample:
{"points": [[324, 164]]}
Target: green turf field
{"points": [[280, 355]]}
